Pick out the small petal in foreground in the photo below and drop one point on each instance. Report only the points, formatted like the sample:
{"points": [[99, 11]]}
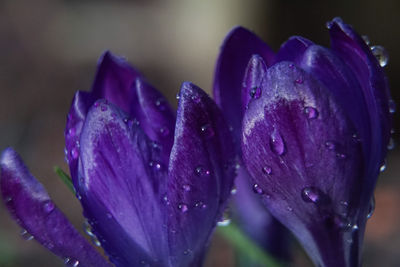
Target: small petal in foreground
{"points": [[315, 130], [152, 187]]}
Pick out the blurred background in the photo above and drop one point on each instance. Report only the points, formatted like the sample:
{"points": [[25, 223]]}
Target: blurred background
{"points": [[49, 49]]}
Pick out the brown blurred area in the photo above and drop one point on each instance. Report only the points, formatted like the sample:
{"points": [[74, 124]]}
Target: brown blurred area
{"points": [[49, 49]]}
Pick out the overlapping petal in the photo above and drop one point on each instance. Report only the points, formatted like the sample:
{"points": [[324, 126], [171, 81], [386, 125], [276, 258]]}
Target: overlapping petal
{"points": [[299, 148], [31, 206], [201, 175], [236, 51]]}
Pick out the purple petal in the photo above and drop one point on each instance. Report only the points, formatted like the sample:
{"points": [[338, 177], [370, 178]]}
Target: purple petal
{"points": [[32, 208], [236, 51], [256, 221], [121, 180], [323, 64], [157, 119], [201, 173], [254, 73], [356, 53], [293, 49], [114, 80], [298, 131]]}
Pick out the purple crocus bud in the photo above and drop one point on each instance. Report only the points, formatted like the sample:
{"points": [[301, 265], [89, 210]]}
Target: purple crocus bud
{"points": [[152, 187], [233, 94], [314, 139]]}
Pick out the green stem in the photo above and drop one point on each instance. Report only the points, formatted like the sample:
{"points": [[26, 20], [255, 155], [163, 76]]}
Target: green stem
{"points": [[247, 247], [65, 178]]}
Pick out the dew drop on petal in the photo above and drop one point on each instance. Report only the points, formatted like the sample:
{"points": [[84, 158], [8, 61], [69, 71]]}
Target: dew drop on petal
{"points": [[257, 189], [277, 144], [392, 106], [391, 144], [255, 92], [201, 171], [341, 155], [48, 206], [155, 165], [366, 39], [371, 208], [330, 145], [383, 167], [164, 131], [160, 104], [267, 170], [207, 131], [311, 113], [74, 153], [196, 98], [234, 190], [26, 235], [311, 194], [71, 262], [381, 55], [183, 208], [186, 187], [225, 219]]}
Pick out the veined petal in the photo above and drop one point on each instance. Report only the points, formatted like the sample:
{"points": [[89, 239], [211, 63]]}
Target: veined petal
{"points": [[293, 49], [298, 130], [32, 208], [255, 219], [114, 80], [157, 119], [201, 173], [356, 53], [236, 51], [121, 177]]}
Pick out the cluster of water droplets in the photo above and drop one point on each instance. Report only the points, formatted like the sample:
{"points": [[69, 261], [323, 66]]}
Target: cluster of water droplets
{"points": [[88, 230], [70, 262]]}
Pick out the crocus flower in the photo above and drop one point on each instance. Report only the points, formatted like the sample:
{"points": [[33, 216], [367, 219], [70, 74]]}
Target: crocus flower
{"points": [[315, 126], [248, 210], [151, 191]]}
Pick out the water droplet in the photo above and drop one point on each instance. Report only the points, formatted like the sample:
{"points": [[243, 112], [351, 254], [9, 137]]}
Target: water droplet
{"points": [[74, 153], [299, 81], [155, 165], [201, 171], [71, 262], [160, 104], [311, 194], [178, 96], [341, 222], [71, 132], [186, 187], [341, 155], [257, 189], [371, 208], [391, 144], [200, 204], [164, 131], [26, 235], [225, 219], [165, 199], [291, 65], [267, 170], [383, 167], [392, 106], [8, 199], [234, 190], [183, 208], [276, 143], [196, 98], [311, 113], [88, 230], [103, 108], [366, 39], [330, 145], [255, 92], [288, 208], [207, 130], [48, 206], [380, 54]]}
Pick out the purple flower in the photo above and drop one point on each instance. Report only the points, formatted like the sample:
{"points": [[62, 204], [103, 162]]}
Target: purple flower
{"points": [[248, 211], [315, 124], [151, 191]]}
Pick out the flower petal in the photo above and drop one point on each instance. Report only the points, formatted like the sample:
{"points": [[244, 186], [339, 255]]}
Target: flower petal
{"points": [[32, 208], [298, 131], [121, 178], [201, 173], [256, 221], [236, 51], [355, 52], [157, 119], [114, 80], [293, 49]]}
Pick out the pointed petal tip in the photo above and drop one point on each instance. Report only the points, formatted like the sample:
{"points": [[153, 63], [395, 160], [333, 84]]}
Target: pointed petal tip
{"points": [[7, 157]]}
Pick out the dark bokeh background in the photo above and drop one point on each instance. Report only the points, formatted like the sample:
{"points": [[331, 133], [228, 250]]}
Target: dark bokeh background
{"points": [[49, 49]]}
